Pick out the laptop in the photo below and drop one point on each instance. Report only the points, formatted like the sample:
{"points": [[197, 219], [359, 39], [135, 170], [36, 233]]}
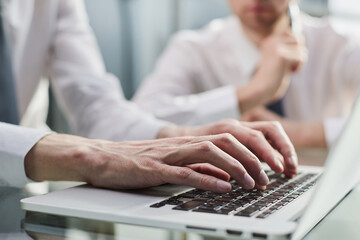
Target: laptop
{"points": [[289, 208]]}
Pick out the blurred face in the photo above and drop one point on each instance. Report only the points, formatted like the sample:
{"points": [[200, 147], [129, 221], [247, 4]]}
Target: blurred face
{"points": [[259, 14]]}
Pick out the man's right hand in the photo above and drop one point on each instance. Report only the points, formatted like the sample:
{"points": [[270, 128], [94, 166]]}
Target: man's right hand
{"points": [[281, 54], [285, 51]]}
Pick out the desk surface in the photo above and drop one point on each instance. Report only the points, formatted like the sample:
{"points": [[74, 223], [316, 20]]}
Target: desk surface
{"points": [[342, 223]]}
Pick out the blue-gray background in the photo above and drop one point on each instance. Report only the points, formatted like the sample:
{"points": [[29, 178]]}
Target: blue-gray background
{"points": [[133, 33]]}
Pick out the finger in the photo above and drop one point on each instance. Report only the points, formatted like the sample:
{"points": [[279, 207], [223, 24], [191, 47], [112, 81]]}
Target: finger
{"points": [[207, 152], [290, 38], [252, 164], [231, 145], [211, 170], [189, 177], [280, 157], [292, 53], [259, 187], [257, 143], [281, 142], [296, 67], [285, 148]]}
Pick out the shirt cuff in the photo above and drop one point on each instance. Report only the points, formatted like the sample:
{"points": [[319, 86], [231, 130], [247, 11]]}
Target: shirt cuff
{"points": [[146, 129], [333, 129], [216, 105], [15, 143]]}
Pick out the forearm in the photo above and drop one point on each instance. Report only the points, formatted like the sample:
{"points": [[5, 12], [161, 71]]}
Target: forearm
{"points": [[59, 157], [306, 134], [262, 86]]}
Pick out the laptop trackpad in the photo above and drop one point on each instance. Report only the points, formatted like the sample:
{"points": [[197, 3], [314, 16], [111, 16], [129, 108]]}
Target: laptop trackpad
{"points": [[87, 197]]}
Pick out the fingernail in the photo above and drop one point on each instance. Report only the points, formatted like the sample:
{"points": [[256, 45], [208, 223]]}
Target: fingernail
{"points": [[293, 161], [278, 162], [223, 186], [263, 178], [279, 165], [248, 181], [261, 188]]}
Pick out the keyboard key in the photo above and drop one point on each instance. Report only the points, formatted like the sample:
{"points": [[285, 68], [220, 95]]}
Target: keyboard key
{"points": [[205, 210], [280, 191], [158, 205], [188, 205], [188, 195], [263, 215], [173, 202], [251, 209], [225, 210], [243, 214]]}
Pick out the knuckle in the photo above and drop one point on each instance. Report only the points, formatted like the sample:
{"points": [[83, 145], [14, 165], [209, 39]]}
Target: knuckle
{"points": [[227, 124], [226, 138], [184, 173], [204, 181], [256, 135], [187, 139], [150, 164], [253, 159], [275, 125], [229, 121], [236, 166], [206, 146], [287, 151]]}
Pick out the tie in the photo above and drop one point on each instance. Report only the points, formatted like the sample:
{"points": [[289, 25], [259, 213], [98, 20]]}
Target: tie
{"points": [[277, 107], [8, 106]]}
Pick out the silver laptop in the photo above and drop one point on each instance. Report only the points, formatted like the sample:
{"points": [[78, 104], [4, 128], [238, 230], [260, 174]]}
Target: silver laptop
{"points": [[289, 208]]}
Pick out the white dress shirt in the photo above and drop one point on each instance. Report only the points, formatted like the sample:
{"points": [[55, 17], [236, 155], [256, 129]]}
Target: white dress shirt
{"points": [[196, 78], [53, 39]]}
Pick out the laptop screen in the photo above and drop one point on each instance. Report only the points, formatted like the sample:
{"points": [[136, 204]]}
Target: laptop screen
{"points": [[341, 175]]}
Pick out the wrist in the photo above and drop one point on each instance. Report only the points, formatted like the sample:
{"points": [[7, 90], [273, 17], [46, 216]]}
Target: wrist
{"points": [[306, 135], [314, 135], [59, 157], [249, 96], [262, 87]]}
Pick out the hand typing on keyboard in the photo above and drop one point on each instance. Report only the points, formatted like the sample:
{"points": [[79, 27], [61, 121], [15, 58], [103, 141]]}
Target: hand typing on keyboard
{"points": [[203, 157], [241, 202]]}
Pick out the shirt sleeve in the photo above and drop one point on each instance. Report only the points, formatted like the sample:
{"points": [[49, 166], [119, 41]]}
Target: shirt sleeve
{"points": [[172, 93], [92, 99], [15, 143]]}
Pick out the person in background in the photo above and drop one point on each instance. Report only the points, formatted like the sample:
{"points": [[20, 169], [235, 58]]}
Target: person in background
{"points": [[261, 63], [53, 39]]}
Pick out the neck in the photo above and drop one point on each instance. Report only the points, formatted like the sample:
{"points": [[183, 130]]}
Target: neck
{"points": [[257, 35]]}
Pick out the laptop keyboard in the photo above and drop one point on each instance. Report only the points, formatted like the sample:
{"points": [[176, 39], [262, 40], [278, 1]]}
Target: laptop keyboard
{"points": [[246, 203]]}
